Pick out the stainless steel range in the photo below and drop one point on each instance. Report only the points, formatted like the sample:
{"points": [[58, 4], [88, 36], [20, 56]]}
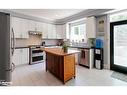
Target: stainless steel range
{"points": [[36, 55]]}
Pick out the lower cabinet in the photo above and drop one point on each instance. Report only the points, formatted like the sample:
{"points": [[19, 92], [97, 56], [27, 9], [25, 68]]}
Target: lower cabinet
{"points": [[63, 67], [21, 56]]}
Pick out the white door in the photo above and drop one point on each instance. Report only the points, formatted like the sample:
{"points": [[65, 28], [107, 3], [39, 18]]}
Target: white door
{"points": [[31, 25], [16, 25], [50, 31], [16, 59], [39, 26], [25, 56], [53, 31], [59, 31], [91, 27], [24, 28], [45, 30]]}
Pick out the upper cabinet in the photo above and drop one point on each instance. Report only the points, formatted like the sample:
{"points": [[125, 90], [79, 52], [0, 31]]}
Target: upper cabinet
{"points": [[32, 25], [51, 31], [20, 27], [91, 27], [39, 26], [35, 26], [45, 31], [61, 31], [24, 28]]}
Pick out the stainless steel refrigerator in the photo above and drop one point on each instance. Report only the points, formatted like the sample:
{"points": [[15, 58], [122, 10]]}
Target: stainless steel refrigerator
{"points": [[6, 49]]}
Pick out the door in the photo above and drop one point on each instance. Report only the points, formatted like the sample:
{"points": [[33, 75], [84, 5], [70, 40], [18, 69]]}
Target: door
{"points": [[45, 31], [24, 28], [5, 50], [17, 57], [25, 56], [118, 43], [16, 25]]}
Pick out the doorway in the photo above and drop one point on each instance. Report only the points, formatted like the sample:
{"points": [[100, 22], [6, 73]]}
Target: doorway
{"points": [[118, 46]]}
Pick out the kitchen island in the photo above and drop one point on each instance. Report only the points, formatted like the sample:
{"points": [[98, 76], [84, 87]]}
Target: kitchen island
{"points": [[60, 64]]}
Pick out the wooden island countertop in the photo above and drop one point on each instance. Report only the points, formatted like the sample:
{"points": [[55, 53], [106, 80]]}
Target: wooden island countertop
{"points": [[59, 51], [60, 64]]}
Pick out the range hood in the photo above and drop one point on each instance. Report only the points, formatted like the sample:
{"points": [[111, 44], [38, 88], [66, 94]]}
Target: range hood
{"points": [[35, 33]]}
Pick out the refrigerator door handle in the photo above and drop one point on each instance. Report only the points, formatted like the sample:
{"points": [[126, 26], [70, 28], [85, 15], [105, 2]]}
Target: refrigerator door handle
{"points": [[13, 41], [13, 67], [13, 48]]}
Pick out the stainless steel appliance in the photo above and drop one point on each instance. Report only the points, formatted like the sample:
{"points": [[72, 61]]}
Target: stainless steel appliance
{"points": [[6, 49], [84, 57], [36, 55]]}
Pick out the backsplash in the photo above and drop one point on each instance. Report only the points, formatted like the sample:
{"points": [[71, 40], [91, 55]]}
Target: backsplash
{"points": [[51, 41], [34, 40]]}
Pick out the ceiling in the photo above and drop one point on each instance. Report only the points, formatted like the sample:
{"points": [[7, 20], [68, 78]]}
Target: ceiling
{"points": [[50, 14]]}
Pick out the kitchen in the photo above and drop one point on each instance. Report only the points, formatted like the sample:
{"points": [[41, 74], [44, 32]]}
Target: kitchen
{"points": [[34, 39]]}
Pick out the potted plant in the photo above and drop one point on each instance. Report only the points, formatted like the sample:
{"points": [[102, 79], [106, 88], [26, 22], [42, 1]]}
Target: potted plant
{"points": [[65, 47], [92, 42]]}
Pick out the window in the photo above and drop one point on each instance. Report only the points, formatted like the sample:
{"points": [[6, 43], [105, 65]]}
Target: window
{"points": [[78, 33], [76, 30]]}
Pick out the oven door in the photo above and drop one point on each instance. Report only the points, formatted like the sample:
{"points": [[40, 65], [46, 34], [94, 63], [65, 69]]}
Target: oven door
{"points": [[37, 56]]}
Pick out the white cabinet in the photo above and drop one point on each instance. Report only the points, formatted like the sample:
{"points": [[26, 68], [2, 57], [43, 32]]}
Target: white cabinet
{"points": [[32, 25], [91, 27], [21, 56], [45, 31], [20, 27], [24, 28], [35, 26], [61, 31], [16, 25], [39, 26], [51, 31], [64, 32], [16, 59], [25, 56]]}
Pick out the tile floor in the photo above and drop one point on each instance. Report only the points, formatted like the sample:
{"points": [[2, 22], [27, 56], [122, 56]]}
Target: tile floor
{"points": [[35, 75]]}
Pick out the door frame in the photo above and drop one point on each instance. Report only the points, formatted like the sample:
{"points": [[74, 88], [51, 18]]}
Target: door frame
{"points": [[112, 65]]}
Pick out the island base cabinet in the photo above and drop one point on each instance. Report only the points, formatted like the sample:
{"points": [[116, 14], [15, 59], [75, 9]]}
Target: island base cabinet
{"points": [[63, 67], [69, 67]]}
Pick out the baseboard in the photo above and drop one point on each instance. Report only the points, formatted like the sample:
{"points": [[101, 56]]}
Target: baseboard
{"points": [[106, 66]]}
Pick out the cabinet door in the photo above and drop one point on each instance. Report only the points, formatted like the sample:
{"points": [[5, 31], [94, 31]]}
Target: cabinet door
{"points": [[50, 31], [45, 31], [59, 30], [16, 59], [69, 66], [24, 28], [54, 32], [39, 26], [32, 25], [65, 32], [25, 56], [16, 25], [91, 27]]}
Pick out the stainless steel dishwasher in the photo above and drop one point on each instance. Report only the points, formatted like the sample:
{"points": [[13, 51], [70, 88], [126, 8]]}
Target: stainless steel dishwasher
{"points": [[84, 57]]}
